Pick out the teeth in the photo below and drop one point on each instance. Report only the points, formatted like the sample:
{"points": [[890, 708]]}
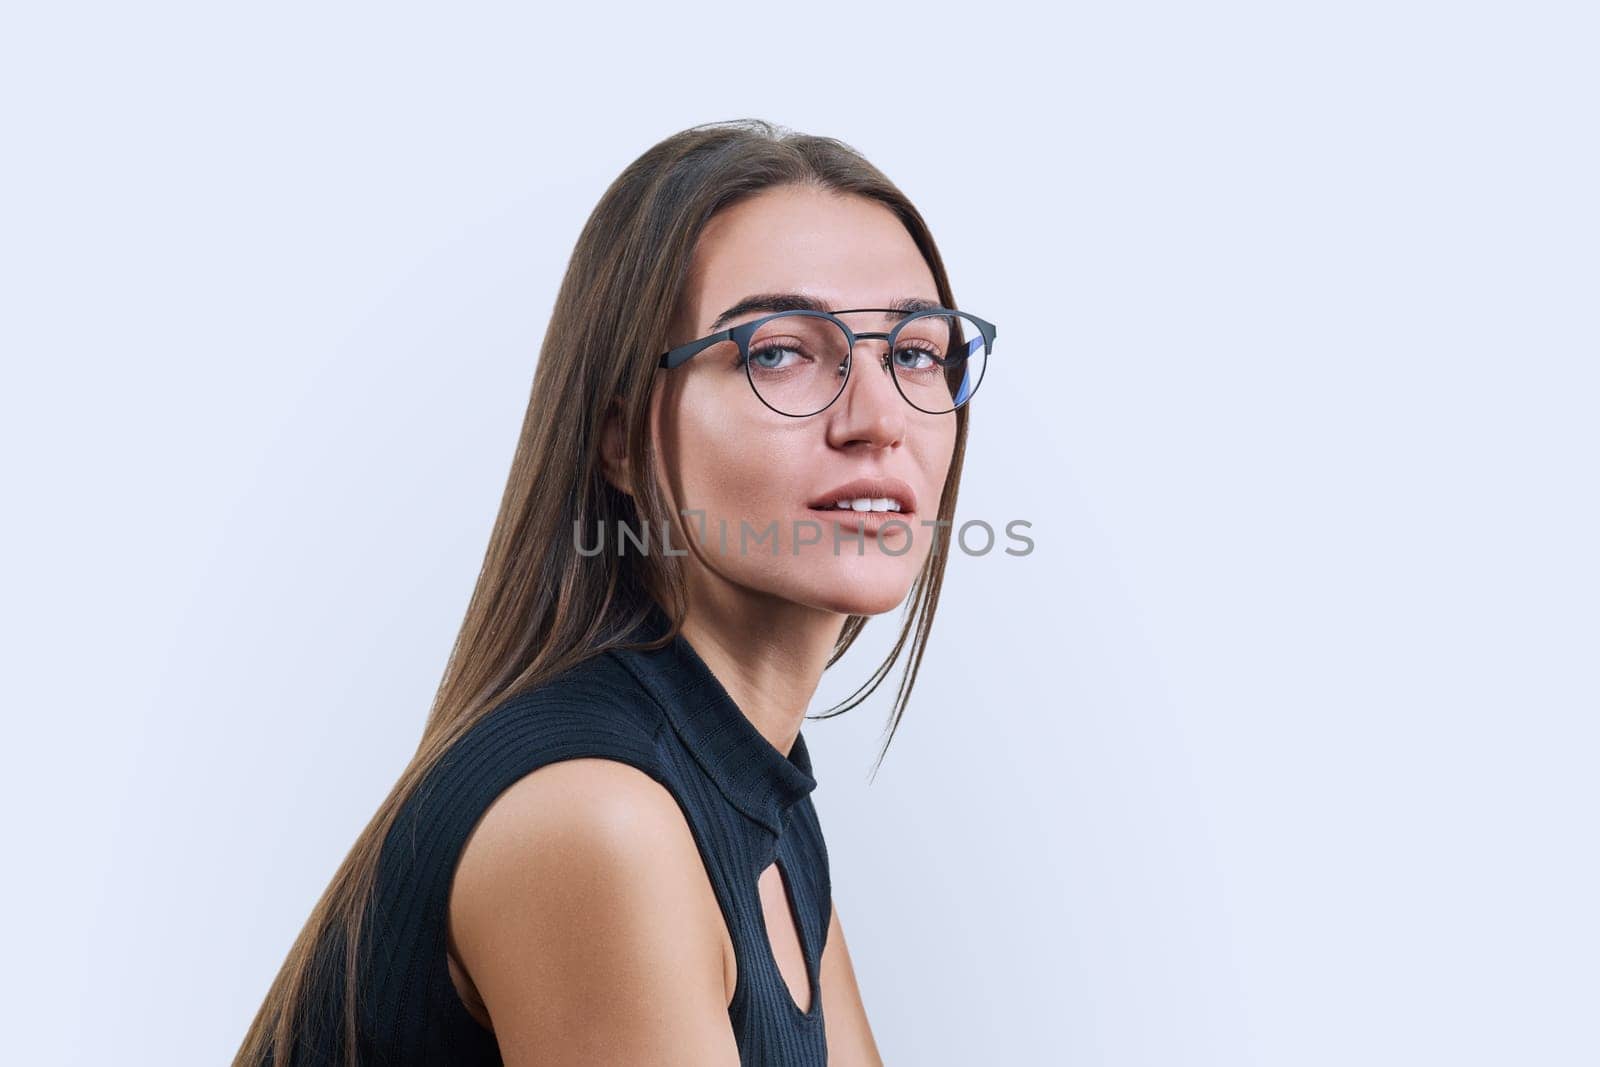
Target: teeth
{"points": [[868, 503]]}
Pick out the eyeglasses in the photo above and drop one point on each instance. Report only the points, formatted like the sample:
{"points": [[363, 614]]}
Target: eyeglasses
{"points": [[798, 362]]}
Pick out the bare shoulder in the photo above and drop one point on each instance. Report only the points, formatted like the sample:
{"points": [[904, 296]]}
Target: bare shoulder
{"points": [[583, 914]]}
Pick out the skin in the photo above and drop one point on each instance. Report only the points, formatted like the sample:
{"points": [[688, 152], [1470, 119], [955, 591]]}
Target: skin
{"points": [[566, 851]]}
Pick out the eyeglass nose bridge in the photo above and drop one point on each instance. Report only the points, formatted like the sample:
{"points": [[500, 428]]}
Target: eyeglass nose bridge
{"points": [[848, 366], [869, 336], [866, 336]]}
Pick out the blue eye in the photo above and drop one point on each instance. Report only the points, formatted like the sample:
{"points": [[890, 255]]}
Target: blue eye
{"points": [[770, 356], [917, 355]]}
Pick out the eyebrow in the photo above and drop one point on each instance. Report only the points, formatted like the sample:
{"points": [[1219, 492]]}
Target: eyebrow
{"points": [[804, 302]]}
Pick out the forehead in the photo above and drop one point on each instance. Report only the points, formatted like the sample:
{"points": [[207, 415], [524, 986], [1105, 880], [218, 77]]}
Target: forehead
{"points": [[846, 250]]}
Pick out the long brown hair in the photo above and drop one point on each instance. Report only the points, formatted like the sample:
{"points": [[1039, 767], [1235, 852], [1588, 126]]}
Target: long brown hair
{"points": [[540, 605]]}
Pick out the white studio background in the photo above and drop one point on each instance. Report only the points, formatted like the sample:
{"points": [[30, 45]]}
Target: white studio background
{"points": [[1279, 749]]}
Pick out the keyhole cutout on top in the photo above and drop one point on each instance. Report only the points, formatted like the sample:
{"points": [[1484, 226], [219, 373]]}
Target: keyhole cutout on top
{"points": [[783, 935]]}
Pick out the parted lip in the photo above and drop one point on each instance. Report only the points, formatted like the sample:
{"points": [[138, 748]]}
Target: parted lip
{"points": [[893, 488]]}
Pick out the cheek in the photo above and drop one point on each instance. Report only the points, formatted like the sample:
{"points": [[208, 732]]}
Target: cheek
{"points": [[936, 449], [733, 461]]}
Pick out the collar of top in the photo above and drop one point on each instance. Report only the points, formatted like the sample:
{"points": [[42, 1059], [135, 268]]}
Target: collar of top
{"points": [[755, 777]]}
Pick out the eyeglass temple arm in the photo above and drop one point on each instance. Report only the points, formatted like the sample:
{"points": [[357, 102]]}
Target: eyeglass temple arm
{"points": [[683, 352]]}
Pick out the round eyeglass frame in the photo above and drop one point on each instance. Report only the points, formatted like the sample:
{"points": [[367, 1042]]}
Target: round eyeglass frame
{"points": [[745, 331]]}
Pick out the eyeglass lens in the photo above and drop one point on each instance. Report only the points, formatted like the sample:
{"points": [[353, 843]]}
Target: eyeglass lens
{"points": [[797, 362]]}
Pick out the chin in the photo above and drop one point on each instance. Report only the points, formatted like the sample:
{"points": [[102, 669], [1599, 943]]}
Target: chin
{"points": [[859, 593], [860, 606]]}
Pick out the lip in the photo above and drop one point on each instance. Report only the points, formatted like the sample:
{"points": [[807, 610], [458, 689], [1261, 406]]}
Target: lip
{"points": [[866, 487], [870, 523]]}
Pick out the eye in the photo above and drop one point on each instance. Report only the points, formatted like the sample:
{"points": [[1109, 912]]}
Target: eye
{"points": [[772, 357], [916, 357]]}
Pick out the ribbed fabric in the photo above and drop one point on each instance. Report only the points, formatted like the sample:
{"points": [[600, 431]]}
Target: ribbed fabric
{"points": [[664, 712]]}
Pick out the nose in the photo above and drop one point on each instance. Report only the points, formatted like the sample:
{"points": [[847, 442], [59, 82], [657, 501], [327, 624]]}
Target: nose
{"points": [[871, 409]]}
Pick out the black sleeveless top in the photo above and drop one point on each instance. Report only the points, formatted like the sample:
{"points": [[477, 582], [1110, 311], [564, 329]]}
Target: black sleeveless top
{"points": [[664, 712]]}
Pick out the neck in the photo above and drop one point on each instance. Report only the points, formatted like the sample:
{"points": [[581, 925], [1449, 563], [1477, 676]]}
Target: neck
{"points": [[768, 653]]}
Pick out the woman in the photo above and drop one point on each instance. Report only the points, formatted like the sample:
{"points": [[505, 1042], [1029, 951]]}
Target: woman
{"points": [[605, 850]]}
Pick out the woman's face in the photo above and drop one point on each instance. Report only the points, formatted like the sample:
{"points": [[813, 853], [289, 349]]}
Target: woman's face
{"points": [[756, 473]]}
